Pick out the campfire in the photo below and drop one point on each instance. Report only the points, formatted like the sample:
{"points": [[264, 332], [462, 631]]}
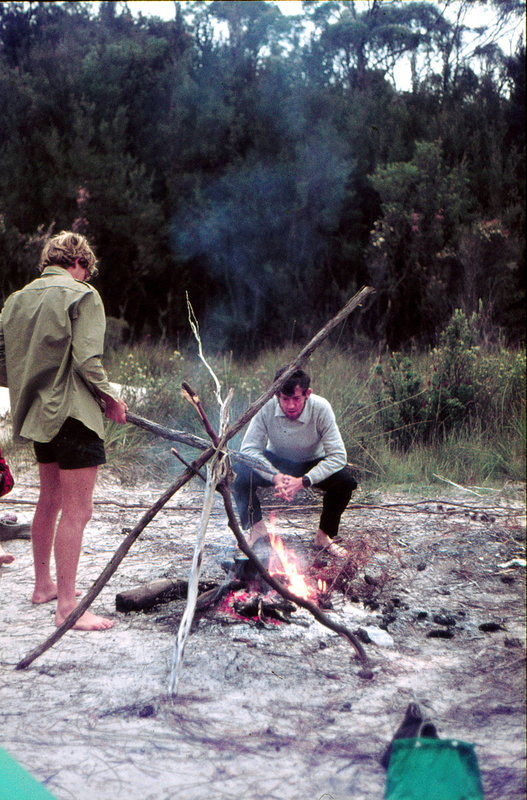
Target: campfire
{"points": [[216, 456], [255, 599]]}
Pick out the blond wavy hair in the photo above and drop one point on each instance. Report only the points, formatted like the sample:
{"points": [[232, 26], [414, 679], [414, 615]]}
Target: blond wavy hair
{"points": [[64, 249]]}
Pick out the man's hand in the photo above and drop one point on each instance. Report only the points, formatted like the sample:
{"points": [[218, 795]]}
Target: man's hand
{"points": [[115, 409], [286, 486]]}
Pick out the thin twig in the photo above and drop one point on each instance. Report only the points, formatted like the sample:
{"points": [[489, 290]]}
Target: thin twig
{"points": [[217, 470], [463, 488], [403, 508], [214, 472], [185, 463], [193, 398]]}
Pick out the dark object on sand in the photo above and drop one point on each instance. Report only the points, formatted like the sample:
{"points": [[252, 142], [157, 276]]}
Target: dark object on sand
{"points": [[413, 726], [14, 530]]}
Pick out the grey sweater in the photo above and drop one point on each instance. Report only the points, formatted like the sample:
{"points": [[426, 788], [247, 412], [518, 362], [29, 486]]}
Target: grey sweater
{"points": [[313, 435]]}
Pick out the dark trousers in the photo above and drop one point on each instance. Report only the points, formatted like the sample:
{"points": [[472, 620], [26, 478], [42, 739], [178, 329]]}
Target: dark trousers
{"points": [[337, 491]]}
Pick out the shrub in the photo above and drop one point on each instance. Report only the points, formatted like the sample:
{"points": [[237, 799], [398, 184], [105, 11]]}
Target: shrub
{"points": [[470, 386], [402, 400], [458, 410], [453, 387]]}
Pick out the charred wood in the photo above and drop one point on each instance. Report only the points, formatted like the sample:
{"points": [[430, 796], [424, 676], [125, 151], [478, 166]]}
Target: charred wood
{"points": [[264, 608], [210, 598], [142, 598]]}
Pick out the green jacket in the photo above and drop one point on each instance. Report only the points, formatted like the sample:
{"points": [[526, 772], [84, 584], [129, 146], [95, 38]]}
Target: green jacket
{"points": [[51, 343]]}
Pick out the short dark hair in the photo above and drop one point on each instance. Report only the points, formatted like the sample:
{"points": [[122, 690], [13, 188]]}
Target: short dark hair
{"points": [[298, 378]]}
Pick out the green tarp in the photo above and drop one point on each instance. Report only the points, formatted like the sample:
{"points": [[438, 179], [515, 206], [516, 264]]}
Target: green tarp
{"points": [[433, 769], [17, 784]]}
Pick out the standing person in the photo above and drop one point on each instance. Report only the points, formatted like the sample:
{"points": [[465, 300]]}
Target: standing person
{"points": [[51, 343], [296, 435]]}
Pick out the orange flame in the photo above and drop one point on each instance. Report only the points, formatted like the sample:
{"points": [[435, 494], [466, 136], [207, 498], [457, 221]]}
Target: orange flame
{"points": [[286, 565]]}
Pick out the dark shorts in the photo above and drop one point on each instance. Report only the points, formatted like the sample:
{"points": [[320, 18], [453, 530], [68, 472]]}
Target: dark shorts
{"points": [[74, 447]]}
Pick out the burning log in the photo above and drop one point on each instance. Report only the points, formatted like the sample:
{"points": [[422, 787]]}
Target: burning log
{"points": [[264, 609], [307, 604], [250, 596], [213, 596]]}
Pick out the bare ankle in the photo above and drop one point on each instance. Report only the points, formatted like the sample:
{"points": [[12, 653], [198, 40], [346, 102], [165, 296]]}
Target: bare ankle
{"points": [[44, 592], [257, 531]]}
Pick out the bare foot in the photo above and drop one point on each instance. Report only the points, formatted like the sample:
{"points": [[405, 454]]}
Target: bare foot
{"points": [[44, 595], [6, 558], [87, 622], [336, 550], [327, 545]]}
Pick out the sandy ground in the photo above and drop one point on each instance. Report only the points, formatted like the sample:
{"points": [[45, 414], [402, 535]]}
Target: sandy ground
{"points": [[277, 711]]}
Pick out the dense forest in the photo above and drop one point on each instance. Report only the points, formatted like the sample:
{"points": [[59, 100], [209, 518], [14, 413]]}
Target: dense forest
{"points": [[268, 165]]}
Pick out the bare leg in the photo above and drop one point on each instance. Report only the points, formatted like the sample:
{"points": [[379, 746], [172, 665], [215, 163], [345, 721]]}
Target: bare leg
{"points": [[5, 558], [77, 491], [257, 531], [43, 531]]}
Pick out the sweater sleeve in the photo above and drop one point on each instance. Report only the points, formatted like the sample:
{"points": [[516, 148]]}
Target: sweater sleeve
{"points": [[335, 457], [255, 442]]}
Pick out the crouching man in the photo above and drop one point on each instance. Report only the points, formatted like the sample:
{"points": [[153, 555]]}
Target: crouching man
{"points": [[295, 434], [51, 343]]}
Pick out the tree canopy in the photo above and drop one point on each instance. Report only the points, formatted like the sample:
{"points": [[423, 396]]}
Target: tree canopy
{"points": [[269, 165]]}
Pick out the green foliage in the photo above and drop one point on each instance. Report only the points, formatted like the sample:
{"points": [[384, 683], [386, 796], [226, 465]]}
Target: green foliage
{"points": [[388, 413], [457, 389], [469, 384], [412, 245], [454, 382], [402, 401], [244, 156]]}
